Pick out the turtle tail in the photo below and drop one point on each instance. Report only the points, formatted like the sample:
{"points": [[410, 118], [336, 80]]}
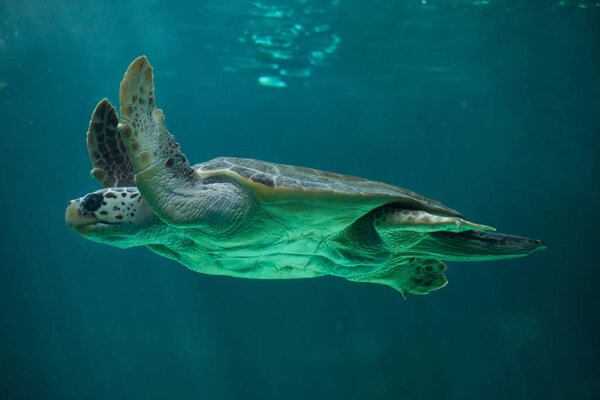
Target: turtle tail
{"points": [[476, 245]]}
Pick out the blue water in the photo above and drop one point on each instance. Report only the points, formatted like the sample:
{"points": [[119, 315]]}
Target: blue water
{"points": [[490, 107]]}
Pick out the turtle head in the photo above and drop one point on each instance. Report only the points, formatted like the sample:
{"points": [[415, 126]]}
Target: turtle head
{"points": [[115, 216]]}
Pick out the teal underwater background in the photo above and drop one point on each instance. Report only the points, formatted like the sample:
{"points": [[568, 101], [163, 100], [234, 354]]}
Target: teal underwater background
{"points": [[491, 107]]}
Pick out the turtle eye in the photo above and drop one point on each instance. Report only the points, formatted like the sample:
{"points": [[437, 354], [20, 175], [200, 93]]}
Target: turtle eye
{"points": [[92, 202]]}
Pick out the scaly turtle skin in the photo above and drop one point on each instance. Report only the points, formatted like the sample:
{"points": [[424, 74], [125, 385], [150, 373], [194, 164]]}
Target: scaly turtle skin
{"points": [[254, 219]]}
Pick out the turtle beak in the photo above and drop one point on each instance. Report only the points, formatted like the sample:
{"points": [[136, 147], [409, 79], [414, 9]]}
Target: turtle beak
{"points": [[74, 218]]}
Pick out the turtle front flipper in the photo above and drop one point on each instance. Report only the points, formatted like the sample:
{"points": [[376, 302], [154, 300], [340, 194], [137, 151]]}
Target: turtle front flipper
{"points": [[111, 165], [173, 190], [162, 172]]}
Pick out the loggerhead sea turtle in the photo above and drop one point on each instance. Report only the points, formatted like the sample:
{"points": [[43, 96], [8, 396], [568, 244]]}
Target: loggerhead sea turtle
{"points": [[254, 219]]}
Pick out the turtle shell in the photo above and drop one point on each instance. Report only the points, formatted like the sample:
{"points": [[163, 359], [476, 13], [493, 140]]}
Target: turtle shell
{"points": [[339, 197]]}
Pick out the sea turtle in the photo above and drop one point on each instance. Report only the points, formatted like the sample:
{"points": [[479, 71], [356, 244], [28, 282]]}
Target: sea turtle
{"points": [[255, 219]]}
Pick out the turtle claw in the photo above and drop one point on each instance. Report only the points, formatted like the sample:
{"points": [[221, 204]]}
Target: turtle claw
{"points": [[464, 225]]}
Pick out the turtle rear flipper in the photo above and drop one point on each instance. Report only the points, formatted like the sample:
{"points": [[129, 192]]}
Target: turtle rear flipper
{"points": [[416, 233], [394, 219], [477, 246], [417, 276]]}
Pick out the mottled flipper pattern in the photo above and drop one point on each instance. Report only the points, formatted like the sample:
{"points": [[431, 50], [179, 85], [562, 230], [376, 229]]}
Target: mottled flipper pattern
{"points": [[162, 173], [417, 276], [389, 218], [111, 165]]}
